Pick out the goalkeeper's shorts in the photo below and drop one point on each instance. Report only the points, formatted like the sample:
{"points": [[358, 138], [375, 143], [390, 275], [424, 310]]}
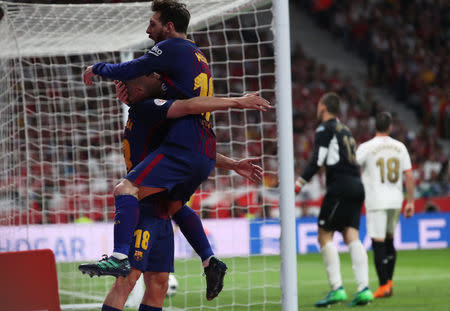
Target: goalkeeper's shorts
{"points": [[342, 204], [177, 169]]}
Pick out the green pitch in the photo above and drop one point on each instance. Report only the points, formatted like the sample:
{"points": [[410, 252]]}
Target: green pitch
{"points": [[421, 283]]}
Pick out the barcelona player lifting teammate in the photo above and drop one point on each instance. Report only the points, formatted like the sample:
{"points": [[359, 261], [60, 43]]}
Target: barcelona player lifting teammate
{"points": [[185, 74], [152, 247]]}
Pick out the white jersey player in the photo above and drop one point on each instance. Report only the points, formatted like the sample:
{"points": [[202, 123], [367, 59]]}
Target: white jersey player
{"points": [[383, 162]]}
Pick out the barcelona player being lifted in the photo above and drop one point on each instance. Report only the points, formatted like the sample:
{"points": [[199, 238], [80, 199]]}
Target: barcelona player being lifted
{"points": [[185, 73], [152, 249]]}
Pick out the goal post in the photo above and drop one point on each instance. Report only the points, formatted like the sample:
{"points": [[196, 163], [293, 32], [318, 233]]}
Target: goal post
{"points": [[285, 155], [61, 145]]}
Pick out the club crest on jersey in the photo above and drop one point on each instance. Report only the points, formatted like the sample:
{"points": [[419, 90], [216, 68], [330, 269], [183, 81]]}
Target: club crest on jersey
{"points": [[160, 102], [155, 51], [138, 255]]}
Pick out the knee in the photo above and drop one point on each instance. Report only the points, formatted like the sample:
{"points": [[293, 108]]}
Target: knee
{"points": [[162, 283], [123, 286], [158, 284], [126, 187]]}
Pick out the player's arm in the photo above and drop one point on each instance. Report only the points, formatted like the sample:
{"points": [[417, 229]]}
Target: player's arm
{"points": [[321, 142], [160, 109], [409, 183], [245, 167], [361, 155], [156, 60], [202, 104]]}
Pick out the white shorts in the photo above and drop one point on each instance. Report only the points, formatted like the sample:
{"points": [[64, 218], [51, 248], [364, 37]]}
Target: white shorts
{"points": [[382, 221]]}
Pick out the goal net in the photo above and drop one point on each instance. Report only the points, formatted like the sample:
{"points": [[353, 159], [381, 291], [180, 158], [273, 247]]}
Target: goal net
{"points": [[61, 151]]}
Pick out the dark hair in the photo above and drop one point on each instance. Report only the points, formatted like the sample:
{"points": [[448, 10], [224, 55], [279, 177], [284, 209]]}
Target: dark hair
{"points": [[383, 121], [173, 11], [331, 101]]}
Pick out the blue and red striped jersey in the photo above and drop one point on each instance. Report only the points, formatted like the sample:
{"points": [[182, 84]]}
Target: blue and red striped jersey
{"points": [[185, 73], [145, 130]]}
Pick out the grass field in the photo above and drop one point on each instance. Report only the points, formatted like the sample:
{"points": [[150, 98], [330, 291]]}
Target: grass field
{"points": [[422, 282]]}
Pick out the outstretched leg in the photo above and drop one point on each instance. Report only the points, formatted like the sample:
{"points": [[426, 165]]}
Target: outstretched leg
{"points": [[192, 228]]}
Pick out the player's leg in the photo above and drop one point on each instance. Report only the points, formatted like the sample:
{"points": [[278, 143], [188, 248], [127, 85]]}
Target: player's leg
{"points": [[358, 257], [126, 217], [126, 196], [191, 225], [332, 264], [376, 229], [176, 169], [329, 251], [156, 285], [391, 253], [121, 289], [192, 228], [157, 262], [349, 217]]}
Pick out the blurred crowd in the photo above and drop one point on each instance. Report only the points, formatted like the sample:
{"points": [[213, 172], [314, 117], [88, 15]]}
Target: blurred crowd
{"points": [[406, 45], [311, 80], [71, 158]]}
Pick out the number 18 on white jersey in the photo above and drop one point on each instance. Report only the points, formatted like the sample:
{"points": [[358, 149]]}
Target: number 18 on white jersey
{"points": [[383, 161]]}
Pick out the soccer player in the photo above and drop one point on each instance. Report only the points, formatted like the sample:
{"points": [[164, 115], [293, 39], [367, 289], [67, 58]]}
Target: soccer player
{"points": [[383, 162], [152, 248], [185, 73], [334, 148]]}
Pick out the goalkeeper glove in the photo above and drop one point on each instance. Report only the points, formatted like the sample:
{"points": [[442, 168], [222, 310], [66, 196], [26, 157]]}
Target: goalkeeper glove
{"points": [[299, 183]]}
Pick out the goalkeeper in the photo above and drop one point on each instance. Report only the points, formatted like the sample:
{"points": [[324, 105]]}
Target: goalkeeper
{"points": [[185, 73], [334, 148]]}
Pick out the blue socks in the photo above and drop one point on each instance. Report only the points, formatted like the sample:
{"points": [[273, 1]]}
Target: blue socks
{"points": [[192, 228], [143, 307], [108, 308], [125, 221]]}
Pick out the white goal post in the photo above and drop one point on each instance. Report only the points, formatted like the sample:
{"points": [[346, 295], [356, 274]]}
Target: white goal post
{"points": [[60, 141]]}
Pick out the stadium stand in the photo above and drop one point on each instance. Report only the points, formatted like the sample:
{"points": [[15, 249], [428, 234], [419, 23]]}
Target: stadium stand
{"points": [[412, 60], [406, 47]]}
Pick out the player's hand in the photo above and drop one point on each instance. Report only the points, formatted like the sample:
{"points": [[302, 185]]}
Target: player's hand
{"points": [[88, 75], [409, 210], [298, 185], [246, 168], [253, 101], [122, 92]]}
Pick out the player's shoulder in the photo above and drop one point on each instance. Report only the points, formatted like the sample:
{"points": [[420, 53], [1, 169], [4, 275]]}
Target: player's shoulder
{"points": [[397, 143], [369, 145], [177, 42], [164, 47], [326, 126], [365, 145]]}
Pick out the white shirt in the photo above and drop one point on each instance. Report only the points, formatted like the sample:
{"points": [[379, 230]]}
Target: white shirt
{"points": [[383, 161]]}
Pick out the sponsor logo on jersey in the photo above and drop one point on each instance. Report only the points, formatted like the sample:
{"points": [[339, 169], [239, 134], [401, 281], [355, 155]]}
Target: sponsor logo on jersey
{"points": [[155, 51], [138, 255], [160, 102]]}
